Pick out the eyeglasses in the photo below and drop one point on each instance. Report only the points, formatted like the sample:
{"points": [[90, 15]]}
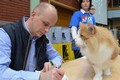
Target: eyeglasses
{"points": [[92, 9]]}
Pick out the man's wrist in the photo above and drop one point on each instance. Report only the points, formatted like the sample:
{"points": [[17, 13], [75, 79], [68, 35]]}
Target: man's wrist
{"points": [[39, 72], [40, 77]]}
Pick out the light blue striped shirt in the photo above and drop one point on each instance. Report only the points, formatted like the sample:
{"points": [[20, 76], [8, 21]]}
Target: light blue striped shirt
{"points": [[5, 53]]}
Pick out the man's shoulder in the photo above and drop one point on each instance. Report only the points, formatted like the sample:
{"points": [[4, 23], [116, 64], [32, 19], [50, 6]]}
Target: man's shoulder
{"points": [[4, 22], [7, 25]]}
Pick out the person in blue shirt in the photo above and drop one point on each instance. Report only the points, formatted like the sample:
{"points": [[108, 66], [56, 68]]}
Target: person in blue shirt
{"points": [[25, 51], [83, 16]]}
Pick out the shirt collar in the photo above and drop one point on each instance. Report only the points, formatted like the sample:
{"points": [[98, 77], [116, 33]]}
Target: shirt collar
{"points": [[25, 18], [83, 11], [24, 23]]}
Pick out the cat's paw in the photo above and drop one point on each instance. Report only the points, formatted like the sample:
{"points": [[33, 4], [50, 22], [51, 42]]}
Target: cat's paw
{"points": [[97, 78]]}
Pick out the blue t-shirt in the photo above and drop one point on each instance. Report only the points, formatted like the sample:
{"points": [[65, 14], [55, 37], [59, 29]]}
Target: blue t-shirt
{"points": [[80, 16]]}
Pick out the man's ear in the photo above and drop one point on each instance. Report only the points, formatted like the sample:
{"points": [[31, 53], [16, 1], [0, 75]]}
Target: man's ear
{"points": [[33, 14]]}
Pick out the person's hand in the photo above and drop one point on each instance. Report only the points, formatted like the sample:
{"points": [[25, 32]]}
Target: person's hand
{"points": [[48, 66], [53, 74]]}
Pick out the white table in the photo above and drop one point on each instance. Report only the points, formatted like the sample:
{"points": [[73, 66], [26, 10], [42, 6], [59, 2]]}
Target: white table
{"points": [[80, 69]]}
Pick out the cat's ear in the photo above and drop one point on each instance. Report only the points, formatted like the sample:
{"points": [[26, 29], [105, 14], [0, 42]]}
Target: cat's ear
{"points": [[91, 29]]}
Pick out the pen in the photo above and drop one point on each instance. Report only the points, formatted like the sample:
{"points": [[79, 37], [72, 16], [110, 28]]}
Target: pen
{"points": [[51, 63]]}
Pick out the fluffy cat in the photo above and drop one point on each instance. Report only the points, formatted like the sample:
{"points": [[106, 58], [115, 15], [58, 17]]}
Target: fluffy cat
{"points": [[99, 46]]}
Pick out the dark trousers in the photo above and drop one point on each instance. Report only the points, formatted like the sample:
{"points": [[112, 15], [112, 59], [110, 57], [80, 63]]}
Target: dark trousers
{"points": [[77, 54]]}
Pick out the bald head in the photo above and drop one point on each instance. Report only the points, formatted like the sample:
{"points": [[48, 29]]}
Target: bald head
{"points": [[43, 7], [42, 18]]}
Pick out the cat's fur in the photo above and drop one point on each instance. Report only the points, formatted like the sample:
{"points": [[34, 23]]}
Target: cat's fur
{"points": [[99, 46]]}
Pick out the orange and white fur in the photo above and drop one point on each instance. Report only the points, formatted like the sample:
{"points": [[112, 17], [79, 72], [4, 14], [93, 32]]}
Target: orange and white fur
{"points": [[99, 46]]}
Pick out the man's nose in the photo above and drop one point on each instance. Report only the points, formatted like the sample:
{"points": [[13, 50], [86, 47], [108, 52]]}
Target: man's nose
{"points": [[47, 30]]}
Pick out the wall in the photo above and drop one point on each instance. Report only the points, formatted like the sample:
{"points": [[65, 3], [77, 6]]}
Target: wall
{"points": [[64, 16], [33, 3], [12, 10], [71, 3], [101, 11]]}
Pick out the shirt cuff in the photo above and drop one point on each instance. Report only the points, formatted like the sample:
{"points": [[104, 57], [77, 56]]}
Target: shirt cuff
{"points": [[32, 75]]}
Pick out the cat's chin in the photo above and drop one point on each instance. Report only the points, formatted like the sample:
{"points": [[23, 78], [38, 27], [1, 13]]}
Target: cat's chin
{"points": [[83, 47], [78, 44]]}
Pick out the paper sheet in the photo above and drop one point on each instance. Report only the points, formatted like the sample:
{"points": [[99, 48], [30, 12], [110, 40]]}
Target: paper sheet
{"points": [[65, 77]]}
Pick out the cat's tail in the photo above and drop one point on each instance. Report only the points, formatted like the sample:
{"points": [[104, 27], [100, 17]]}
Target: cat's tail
{"points": [[115, 53]]}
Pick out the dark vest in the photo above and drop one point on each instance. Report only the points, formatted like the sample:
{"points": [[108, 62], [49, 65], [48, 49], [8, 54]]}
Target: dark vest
{"points": [[20, 40]]}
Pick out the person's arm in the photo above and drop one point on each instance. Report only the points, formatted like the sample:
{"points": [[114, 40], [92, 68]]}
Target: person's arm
{"points": [[74, 23], [74, 32], [7, 73], [53, 55]]}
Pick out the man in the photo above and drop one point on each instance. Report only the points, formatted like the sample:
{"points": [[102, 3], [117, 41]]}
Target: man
{"points": [[24, 48]]}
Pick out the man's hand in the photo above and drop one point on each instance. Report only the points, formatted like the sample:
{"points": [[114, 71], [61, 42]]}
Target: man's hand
{"points": [[48, 66], [53, 74]]}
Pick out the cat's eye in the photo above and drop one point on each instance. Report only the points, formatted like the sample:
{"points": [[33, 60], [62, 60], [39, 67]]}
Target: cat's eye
{"points": [[81, 35]]}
